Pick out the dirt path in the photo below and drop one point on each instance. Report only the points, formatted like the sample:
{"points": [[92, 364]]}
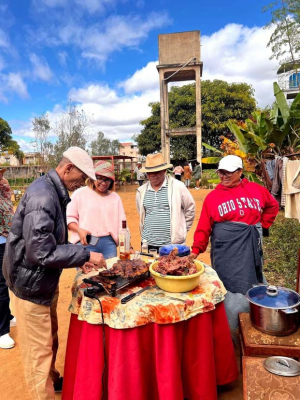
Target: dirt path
{"points": [[12, 382]]}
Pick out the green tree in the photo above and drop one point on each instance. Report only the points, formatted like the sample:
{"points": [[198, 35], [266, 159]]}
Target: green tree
{"points": [[71, 131], [14, 148], [285, 40], [221, 101], [5, 133], [7, 144], [104, 147]]}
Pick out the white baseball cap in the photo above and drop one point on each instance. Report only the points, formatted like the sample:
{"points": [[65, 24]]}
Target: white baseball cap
{"points": [[81, 160], [231, 163]]}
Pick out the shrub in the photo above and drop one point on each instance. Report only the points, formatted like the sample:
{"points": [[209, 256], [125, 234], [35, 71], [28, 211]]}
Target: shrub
{"points": [[281, 252]]}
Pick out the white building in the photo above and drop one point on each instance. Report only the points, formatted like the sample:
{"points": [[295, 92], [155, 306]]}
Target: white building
{"points": [[9, 159], [289, 79]]}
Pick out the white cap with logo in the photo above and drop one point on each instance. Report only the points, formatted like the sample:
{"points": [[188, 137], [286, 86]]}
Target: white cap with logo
{"points": [[231, 163], [81, 160]]}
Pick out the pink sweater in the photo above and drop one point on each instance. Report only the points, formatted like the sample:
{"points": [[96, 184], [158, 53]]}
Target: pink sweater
{"points": [[101, 216]]}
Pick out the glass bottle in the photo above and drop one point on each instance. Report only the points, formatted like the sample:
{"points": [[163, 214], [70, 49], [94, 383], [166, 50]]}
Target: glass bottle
{"points": [[124, 242]]}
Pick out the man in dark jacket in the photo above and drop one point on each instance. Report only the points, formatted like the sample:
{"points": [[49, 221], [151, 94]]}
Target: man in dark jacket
{"points": [[36, 251]]}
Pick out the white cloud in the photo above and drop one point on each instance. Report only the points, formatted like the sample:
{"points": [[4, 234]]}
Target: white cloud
{"points": [[41, 69], [93, 6], [62, 58], [94, 93], [14, 82], [98, 41], [143, 79], [4, 40], [23, 129], [119, 117], [239, 54], [51, 3], [26, 146]]}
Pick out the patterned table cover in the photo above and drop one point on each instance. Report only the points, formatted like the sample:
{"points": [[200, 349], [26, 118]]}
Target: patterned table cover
{"points": [[153, 305]]}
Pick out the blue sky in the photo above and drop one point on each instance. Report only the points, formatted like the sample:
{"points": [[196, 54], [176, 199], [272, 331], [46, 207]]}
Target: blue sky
{"points": [[103, 53]]}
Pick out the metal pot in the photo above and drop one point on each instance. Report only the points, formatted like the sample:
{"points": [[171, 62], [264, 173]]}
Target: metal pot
{"points": [[274, 310]]}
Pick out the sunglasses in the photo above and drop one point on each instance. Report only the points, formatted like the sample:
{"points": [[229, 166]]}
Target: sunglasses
{"points": [[105, 180], [226, 173]]}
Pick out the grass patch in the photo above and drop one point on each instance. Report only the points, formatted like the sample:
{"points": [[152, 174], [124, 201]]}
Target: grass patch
{"points": [[281, 252]]}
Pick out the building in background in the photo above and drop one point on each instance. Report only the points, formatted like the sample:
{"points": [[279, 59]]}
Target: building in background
{"points": [[129, 149], [289, 79], [32, 159], [9, 159]]}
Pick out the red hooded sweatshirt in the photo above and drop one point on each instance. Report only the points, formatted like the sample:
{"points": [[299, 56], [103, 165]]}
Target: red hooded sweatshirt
{"points": [[248, 202]]}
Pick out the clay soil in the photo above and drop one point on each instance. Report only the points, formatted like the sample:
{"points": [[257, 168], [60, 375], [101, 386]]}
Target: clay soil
{"points": [[12, 381]]}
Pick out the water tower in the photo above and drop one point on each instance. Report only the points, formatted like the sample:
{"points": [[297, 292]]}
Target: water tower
{"points": [[179, 60]]}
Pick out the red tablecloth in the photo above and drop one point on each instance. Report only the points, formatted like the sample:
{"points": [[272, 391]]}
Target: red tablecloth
{"points": [[170, 362]]}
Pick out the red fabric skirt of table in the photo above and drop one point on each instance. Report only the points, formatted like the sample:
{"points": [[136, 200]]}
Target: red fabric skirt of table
{"points": [[168, 362]]}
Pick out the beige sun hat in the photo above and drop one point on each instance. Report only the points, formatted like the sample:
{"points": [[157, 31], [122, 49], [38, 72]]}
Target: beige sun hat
{"points": [[155, 163], [81, 160]]}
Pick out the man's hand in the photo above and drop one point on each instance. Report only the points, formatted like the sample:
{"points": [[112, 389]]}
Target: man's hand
{"points": [[87, 267], [97, 259], [194, 256], [82, 235]]}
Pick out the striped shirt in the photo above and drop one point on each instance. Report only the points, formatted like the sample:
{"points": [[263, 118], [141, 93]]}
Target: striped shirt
{"points": [[157, 223]]}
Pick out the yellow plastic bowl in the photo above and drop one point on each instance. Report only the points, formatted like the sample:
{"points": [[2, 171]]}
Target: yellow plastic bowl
{"points": [[177, 284]]}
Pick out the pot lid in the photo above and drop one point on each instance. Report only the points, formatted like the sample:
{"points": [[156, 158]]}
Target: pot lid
{"points": [[273, 296], [284, 366]]}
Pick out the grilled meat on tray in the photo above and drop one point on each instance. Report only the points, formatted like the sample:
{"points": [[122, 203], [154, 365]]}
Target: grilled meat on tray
{"points": [[126, 269]]}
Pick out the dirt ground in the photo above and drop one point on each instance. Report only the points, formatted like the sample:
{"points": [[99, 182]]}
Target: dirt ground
{"points": [[12, 381]]}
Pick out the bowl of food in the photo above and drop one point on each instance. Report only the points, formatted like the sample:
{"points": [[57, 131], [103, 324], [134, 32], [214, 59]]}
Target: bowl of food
{"points": [[176, 274]]}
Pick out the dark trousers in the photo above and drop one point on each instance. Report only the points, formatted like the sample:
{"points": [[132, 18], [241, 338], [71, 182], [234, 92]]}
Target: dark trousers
{"points": [[140, 182], [5, 315], [178, 177]]}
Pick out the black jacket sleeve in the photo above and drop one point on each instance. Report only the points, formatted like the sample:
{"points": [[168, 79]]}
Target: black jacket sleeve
{"points": [[41, 248]]}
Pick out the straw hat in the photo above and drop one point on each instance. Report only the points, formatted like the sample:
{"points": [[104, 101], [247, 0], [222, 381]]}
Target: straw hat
{"points": [[105, 168], [81, 160], [2, 170], [155, 163]]}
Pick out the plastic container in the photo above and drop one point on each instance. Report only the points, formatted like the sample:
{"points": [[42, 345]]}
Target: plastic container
{"points": [[183, 250]]}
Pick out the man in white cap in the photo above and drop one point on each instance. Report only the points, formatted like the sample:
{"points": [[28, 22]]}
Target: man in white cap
{"points": [[36, 251], [165, 205]]}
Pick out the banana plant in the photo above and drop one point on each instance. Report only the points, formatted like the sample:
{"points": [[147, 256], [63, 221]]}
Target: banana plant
{"points": [[279, 127]]}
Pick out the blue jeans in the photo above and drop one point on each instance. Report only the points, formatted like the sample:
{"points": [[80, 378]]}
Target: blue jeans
{"points": [[106, 245]]}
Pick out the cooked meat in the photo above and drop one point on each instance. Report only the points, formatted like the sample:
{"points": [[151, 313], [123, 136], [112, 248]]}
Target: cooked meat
{"points": [[126, 269], [173, 265], [106, 282]]}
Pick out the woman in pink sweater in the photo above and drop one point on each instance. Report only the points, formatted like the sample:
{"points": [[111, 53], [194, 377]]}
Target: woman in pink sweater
{"points": [[97, 211]]}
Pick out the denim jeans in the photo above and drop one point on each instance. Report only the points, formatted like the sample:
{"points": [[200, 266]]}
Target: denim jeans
{"points": [[106, 245], [5, 315]]}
